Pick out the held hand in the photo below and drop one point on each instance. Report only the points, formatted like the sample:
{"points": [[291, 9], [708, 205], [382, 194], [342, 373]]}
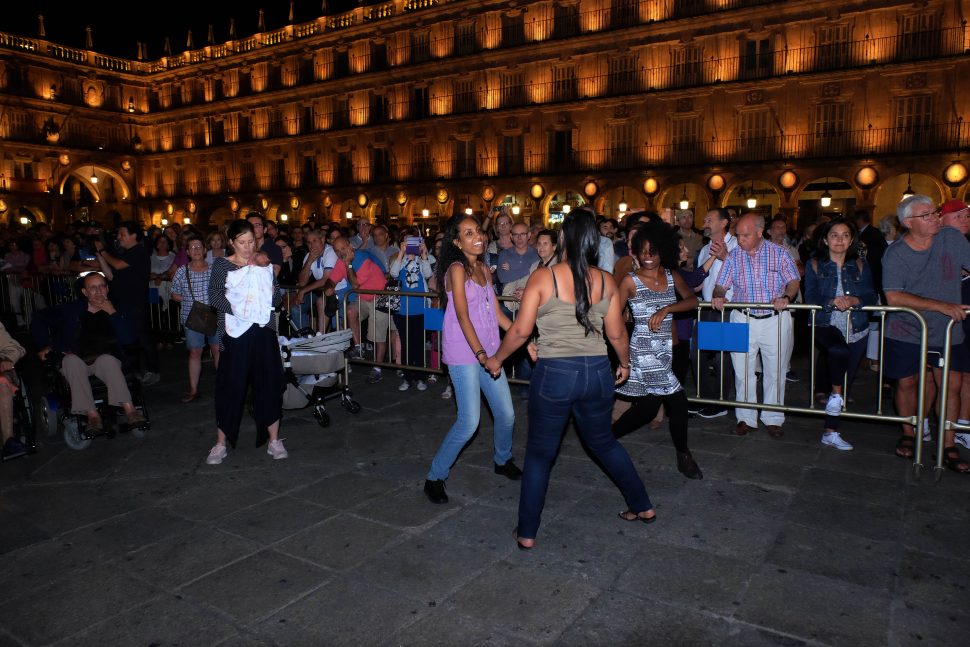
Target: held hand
{"points": [[493, 366], [954, 311], [717, 303], [780, 303], [621, 375], [843, 303], [719, 250], [533, 350]]}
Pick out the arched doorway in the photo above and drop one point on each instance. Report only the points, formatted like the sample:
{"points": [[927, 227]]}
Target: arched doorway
{"points": [[755, 196], [890, 192], [557, 204], [828, 195], [684, 196]]}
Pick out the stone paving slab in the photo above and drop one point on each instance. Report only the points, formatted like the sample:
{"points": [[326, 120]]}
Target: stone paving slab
{"points": [[784, 542]]}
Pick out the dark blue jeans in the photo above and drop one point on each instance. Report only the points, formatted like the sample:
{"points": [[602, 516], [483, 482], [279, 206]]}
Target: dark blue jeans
{"points": [[842, 360], [583, 387]]}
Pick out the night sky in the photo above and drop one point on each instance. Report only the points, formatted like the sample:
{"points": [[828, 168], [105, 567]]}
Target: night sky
{"points": [[118, 26]]}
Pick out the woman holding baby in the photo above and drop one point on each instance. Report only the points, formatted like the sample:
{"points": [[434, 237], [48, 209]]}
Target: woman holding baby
{"points": [[243, 290]]}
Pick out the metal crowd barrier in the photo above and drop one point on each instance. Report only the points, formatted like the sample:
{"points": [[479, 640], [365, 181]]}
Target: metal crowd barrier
{"points": [[881, 311], [945, 425], [431, 363], [23, 293]]}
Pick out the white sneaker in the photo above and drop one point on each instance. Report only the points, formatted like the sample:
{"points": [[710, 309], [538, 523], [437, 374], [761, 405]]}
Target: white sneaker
{"points": [[405, 385], [276, 450], [833, 439], [217, 454], [422, 386], [834, 406], [446, 394], [927, 436], [432, 379], [962, 439]]}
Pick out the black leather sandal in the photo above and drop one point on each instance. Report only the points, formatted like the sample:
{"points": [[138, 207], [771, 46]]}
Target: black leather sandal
{"points": [[906, 446], [953, 462]]}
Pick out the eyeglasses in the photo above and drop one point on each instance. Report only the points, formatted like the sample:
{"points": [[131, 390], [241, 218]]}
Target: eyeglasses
{"points": [[928, 214]]}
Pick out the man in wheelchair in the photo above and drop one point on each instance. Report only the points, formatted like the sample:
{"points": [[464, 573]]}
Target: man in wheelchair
{"points": [[10, 352], [92, 335]]}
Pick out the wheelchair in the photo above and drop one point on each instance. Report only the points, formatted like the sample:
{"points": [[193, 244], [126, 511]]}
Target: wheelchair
{"points": [[23, 423], [55, 408]]}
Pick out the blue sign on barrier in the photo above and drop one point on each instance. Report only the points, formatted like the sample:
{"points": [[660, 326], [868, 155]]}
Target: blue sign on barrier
{"points": [[726, 336], [434, 318]]}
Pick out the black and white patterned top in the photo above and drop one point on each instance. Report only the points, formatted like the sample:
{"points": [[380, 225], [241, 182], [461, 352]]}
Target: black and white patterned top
{"points": [[651, 353]]}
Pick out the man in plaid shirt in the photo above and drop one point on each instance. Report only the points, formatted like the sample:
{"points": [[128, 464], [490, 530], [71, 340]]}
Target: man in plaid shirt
{"points": [[760, 272]]}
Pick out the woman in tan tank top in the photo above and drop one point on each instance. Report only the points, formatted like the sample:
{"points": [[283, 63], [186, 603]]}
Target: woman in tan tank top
{"points": [[573, 303]]}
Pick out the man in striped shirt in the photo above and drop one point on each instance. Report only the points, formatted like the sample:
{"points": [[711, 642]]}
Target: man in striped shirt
{"points": [[760, 272]]}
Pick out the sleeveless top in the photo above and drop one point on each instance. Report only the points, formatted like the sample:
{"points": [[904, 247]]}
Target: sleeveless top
{"points": [[560, 335], [481, 310], [651, 352]]}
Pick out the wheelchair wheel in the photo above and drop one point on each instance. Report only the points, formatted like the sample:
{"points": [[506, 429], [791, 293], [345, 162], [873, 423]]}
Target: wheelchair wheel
{"points": [[48, 417], [73, 436]]}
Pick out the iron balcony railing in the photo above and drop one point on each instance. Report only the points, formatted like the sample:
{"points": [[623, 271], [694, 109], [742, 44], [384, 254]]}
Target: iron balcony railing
{"points": [[871, 142]]}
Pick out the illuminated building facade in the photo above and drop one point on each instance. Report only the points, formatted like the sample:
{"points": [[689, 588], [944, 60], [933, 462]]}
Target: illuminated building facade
{"points": [[412, 107]]}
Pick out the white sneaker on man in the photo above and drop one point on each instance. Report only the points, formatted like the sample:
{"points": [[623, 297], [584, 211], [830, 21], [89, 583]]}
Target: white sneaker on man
{"points": [[927, 436], [962, 439], [276, 449], [217, 454], [446, 394], [833, 439], [405, 385], [422, 386], [834, 405]]}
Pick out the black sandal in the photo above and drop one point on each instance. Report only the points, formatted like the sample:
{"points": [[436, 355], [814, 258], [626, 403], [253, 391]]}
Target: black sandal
{"points": [[906, 444], [953, 462], [630, 515]]}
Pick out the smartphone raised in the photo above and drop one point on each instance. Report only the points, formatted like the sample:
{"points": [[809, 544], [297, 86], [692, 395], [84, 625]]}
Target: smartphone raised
{"points": [[412, 245]]}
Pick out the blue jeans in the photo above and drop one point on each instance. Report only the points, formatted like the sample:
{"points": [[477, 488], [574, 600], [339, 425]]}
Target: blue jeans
{"points": [[470, 381], [583, 387]]}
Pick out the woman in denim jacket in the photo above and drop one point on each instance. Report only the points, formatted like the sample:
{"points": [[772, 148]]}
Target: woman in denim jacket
{"points": [[840, 281]]}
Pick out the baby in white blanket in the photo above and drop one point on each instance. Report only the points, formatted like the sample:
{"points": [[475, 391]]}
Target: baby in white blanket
{"points": [[249, 291]]}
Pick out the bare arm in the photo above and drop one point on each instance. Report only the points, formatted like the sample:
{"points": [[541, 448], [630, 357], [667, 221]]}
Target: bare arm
{"points": [[615, 329], [900, 299], [538, 286]]}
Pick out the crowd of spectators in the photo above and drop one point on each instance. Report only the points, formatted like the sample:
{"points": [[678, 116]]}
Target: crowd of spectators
{"points": [[840, 264]]}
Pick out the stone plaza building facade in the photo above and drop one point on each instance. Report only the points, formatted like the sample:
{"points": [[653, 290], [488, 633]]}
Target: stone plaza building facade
{"points": [[411, 110]]}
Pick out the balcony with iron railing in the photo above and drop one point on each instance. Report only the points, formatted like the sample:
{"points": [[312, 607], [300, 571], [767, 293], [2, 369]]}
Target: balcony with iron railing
{"points": [[868, 143], [919, 46], [621, 14]]}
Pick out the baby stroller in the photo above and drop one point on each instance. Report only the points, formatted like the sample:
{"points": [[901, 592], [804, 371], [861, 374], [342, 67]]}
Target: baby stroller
{"points": [[316, 370]]}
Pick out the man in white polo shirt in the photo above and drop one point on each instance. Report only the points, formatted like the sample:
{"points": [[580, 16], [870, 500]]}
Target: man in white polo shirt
{"points": [[316, 270]]}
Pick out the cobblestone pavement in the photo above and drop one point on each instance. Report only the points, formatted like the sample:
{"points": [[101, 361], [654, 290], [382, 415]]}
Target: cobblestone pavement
{"points": [[139, 542]]}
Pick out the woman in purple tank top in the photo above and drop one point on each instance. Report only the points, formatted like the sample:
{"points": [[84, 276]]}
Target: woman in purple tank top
{"points": [[469, 336]]}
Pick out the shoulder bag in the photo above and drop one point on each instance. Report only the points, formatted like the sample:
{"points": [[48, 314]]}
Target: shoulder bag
{"points": [[202, 317]]}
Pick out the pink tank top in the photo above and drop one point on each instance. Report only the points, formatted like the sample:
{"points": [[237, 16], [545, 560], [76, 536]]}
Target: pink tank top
{"points": [[481, 311]]}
